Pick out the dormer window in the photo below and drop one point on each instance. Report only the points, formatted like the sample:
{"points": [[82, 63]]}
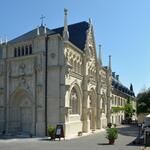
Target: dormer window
{"points": [[23, 50]]}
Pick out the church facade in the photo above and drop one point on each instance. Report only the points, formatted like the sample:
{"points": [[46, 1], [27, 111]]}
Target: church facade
{"points": [[54, 76]]}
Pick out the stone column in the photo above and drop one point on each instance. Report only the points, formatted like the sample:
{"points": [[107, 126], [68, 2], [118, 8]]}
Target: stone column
{"points": [[7, 97], [98, 112], [85, 112]]}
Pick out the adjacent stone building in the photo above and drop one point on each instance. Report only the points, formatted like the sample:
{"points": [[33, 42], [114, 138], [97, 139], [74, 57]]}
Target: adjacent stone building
{"points": [[54, 76]]}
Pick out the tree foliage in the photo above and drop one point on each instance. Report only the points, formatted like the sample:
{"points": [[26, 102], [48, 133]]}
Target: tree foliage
{"points": [[143, 102], [128, 109], [117, 109]]}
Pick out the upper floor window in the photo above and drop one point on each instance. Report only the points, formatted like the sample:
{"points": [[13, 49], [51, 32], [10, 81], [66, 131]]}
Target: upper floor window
{"points": [[15, 52], [18, 51], [30, 49], [26, 50], [22, 51]]}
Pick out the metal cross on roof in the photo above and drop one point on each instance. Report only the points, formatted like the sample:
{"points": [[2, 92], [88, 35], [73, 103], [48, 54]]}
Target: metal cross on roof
{"points": [[42, 19]]}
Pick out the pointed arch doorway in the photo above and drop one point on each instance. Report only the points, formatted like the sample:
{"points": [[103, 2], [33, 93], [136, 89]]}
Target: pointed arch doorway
{"points": [[21, 113]]}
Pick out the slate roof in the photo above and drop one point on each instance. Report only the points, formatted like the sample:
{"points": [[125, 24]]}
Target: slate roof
{"points": [[30, 35], [119, 86], [77, 34]]}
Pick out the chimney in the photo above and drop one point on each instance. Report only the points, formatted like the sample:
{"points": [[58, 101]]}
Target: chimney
{"points": [[45, 30], [117, 77], [113, 74], [38, 30]]}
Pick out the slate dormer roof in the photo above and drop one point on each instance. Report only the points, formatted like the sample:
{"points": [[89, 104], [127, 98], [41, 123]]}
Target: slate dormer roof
{"points": [[77, 34], [119, 86]]}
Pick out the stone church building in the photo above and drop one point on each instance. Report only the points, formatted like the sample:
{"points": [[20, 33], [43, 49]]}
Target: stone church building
{"points": [[54, 76]]}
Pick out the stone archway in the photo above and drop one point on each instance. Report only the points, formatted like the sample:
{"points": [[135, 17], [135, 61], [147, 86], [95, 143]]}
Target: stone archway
{"points": [[92, 106], [75, 99], [20, 113]]}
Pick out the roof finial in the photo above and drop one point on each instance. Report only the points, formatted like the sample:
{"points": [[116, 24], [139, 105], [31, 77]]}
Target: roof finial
{"points": [[6, 40], [110, 62], [100, 55], [42, 19], [38, 31], [131, 87], [65, 32], [45, 30], [90, 21], [1, 40]]}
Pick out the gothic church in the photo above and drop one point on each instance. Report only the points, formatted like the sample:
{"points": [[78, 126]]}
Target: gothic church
{"points": [[54, 76]]}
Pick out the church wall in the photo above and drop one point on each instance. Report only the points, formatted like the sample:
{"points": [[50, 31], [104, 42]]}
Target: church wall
{"points": [[39, 44], [55, 104], [73, 79], [2, 96], [40, 94], [28, 73], [21, 79]]}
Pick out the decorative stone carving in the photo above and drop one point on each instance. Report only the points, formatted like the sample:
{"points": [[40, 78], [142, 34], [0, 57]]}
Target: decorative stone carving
{"points": [[67, 110], [22, 69], [89, 111], [23, 83], [53, 55], [68, 68], [38, 67], [39, 87], [67, 87]]}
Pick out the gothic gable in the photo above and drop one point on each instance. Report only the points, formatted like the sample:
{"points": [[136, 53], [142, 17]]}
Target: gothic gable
{"points": [[90, 46]]}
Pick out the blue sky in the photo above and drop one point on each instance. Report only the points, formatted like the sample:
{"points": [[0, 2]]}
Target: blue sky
{"points": [[121, 26]]}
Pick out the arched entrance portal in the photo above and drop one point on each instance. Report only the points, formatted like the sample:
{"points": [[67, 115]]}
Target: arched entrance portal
{"points": [[20, 113]]}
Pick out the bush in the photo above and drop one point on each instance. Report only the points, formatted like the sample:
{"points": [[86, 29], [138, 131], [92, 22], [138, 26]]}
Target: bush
{"points": [[112, 134], [51, 131]]}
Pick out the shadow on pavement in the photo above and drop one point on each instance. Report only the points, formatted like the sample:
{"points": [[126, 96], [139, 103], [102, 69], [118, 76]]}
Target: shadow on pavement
{"points": [[103, 144], [134, 144], [129, 130], [45, 139]]}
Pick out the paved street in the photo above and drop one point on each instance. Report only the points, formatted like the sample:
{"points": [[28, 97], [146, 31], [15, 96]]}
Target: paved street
{"points": [[92, 142]]}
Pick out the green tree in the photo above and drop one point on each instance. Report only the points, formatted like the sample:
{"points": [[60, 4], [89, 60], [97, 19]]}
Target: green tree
{"points": [[143, 101], [128, 109]]}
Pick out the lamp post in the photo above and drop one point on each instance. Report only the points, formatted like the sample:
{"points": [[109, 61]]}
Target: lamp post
{"points": [[139, 125]]}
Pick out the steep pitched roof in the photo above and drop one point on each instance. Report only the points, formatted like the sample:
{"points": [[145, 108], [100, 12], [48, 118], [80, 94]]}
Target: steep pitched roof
{"points": [[119, 86], [77, 34], [30, 35]]}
